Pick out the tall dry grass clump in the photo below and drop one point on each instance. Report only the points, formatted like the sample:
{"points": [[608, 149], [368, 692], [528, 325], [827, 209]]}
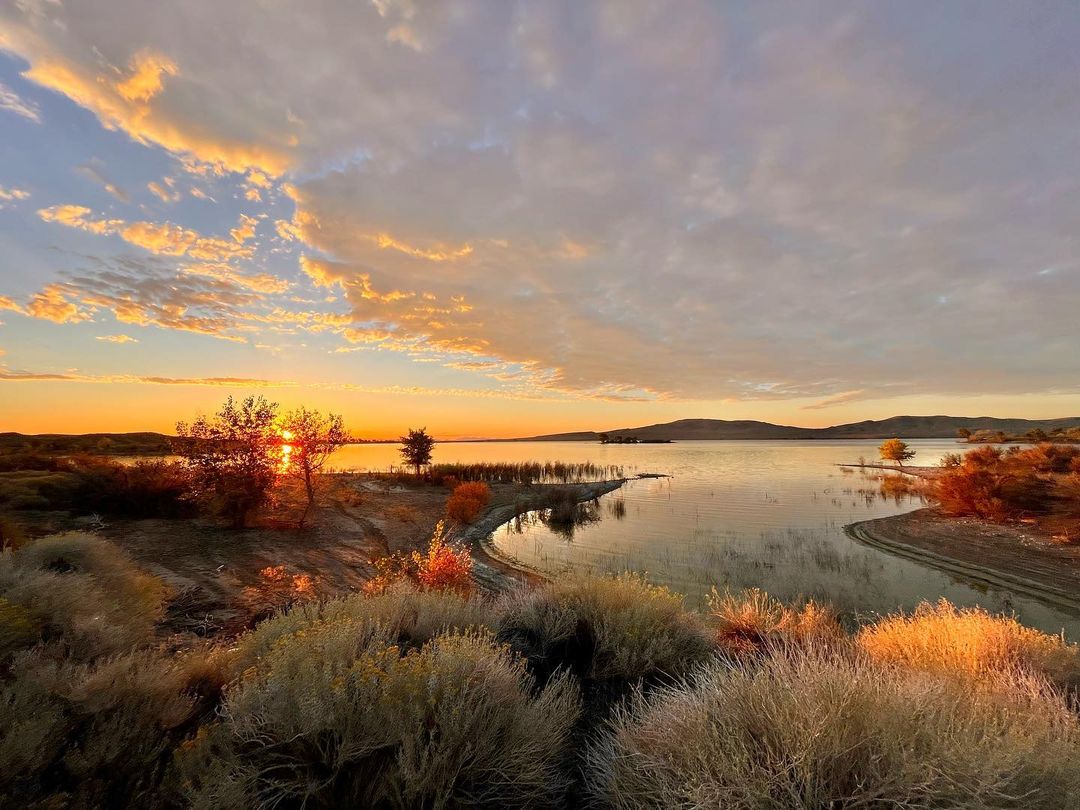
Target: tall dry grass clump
{"points": [[817, 728], [603, 628], [337, 716], [968, 642], [751, 620]]}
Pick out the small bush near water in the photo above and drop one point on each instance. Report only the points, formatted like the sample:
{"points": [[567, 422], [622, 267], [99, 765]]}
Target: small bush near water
{"points": [[997, 485], [467, 501]]}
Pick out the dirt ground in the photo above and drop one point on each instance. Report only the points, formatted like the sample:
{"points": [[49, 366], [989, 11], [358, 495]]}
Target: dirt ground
{"points": [[223, 579], [1018, 556]]}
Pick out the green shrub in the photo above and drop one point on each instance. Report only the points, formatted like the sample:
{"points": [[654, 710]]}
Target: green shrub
{"points": [[603, 628], [84, 591], [336, 716], [818, 729]]}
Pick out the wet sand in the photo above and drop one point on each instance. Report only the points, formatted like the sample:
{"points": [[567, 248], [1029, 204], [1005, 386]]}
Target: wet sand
{"points": [[1015, 557]]}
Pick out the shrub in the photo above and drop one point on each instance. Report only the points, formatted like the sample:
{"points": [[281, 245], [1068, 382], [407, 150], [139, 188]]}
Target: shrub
{"points": [[603, 628], [752, 620], [816, 729], [410, 616], [468, 501], [336, 716], [98, 735], [83, 591], [968, 642], [1000, 486], [441, 567]]}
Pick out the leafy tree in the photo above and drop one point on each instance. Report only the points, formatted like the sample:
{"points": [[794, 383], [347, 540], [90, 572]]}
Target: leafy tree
{"points": [[896, 450], [963, 433], [416, 448], [313, 438], [234, 457]]}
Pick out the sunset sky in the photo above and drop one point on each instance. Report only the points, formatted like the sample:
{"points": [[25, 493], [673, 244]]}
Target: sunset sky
{"points": [[505, 218]]}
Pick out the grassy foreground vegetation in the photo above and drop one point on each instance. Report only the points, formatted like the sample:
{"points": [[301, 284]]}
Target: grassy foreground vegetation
{"points": [[600, 691]]}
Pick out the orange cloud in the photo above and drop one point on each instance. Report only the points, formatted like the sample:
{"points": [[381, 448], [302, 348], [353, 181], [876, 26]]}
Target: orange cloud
{"points": [[52, 304], [117, 339], [160, 238], [438, 254], [145, 82], [245, 230], [132, 104]]}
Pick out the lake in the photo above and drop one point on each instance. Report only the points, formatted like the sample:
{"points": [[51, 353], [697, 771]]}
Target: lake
{"points": [[735, 514]]}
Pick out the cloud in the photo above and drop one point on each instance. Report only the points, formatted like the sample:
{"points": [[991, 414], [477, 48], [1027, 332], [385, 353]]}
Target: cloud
{"points": [[245, 230], [163, 192], [12, 195], [117, 339], [162, 238], [94, 170], [7, 375], [608, 199], [10, 101], [842, 398], [54, 303]]}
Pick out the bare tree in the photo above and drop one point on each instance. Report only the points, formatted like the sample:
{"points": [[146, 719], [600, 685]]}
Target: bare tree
{"points": [[312, 439]]}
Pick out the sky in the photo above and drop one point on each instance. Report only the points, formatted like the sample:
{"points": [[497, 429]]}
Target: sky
{"points": [[506, 218]]}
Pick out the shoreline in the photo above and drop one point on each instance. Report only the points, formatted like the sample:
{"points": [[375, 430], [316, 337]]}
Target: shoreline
{"points": [[1006, 556], [498, 571]]}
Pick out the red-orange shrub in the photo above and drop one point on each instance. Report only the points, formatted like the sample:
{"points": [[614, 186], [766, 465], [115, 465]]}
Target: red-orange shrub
{"points": [[1003, 486], [443, 567], [468, 501]]}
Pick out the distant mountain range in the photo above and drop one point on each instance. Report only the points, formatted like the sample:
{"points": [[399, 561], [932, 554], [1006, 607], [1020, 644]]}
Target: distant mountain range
{"points": [[904, 427]]}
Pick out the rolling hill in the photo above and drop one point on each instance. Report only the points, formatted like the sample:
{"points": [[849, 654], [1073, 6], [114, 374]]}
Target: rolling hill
{"points": [[904, 427]]}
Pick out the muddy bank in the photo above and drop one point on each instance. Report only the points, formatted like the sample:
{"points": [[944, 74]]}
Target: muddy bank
{"points": [[1013, 557], [495, 571]]}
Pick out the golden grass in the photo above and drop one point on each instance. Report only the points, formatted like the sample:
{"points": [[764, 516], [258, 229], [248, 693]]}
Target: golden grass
{"points": [[750, 620], [968, 642]]}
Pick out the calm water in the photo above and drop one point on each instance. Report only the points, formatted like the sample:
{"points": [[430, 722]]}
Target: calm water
{"points": [[764, 514]]}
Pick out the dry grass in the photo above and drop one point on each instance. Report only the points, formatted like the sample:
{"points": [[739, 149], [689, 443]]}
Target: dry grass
{"points": [[335, 716], [604, 628], [969, 642], [83, 591], [752, 620], [526, 472], [820, 729]]}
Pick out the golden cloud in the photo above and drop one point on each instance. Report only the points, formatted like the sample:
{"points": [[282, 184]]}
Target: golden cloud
{"points": [[437, 254], [131, 104], [245, 230], [160, 238], [52, 304], [117, 339]]}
